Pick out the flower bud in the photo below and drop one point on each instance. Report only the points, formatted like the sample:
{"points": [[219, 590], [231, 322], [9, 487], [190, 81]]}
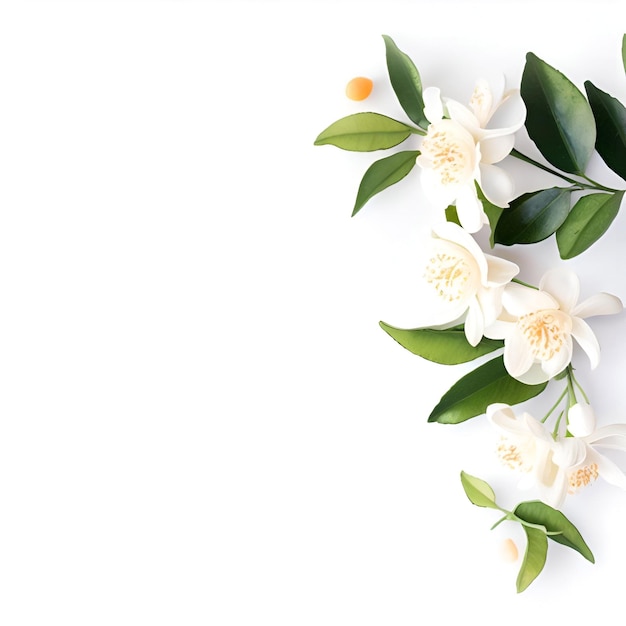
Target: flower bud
{"points": [[581, 419]]}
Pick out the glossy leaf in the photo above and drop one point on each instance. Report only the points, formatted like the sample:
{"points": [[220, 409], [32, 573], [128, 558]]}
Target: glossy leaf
{"points": [[610, 116], [364, 132], [472, 394], [478, 491], [558, 117], [588, 220], [554, 521], [382, 174], [533, 216], [406, 82], [448, 347], [534, 557]]}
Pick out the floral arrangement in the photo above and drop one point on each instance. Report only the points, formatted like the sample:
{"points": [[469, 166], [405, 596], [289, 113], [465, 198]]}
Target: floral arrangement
{"points": [[473, 303]]}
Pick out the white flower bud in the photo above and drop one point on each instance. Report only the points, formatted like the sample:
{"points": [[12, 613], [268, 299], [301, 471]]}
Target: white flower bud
{"points": [[581, 419]]}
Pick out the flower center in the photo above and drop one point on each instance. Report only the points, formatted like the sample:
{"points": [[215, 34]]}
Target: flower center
{"points": [[544, 332], [451, 274], [511, 456], [582, 477], [450, 149]]}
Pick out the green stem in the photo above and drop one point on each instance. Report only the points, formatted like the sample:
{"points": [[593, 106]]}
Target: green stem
{"points": [[521, 282], [554, 406], [578, 385], [598, 185], [580, 185], [527, 159]]}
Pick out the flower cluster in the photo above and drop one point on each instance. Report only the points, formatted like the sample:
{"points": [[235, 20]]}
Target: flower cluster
{"points": [[473, 303]]}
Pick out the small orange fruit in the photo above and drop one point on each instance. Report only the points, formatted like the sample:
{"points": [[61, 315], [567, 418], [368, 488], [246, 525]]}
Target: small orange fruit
{"points": [[508, 550], [359, 88]]}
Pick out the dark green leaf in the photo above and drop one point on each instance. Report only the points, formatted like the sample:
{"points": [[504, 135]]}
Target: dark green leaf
{"points": [[610, 117], [533, 216], [534, 557], [364, 132], [487, 384], [478, 491], [588, 220], [382, 174], [448, 347], [558, 117], [406, 82], [554, 521], [452, 215]]}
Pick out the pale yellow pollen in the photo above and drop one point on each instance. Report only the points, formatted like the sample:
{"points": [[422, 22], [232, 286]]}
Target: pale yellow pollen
{"points": [[449, 157], [449, 275], [478, 98], [543, 332], [510, 456], [582, 477]]}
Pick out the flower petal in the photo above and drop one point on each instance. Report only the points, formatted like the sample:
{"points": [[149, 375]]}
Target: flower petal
{"points": [[563, 285], [534, 376], [440, 196], [456, 234], [496, 184], [474, 323], [519, 300], [606, 468], [518, 356], [500, 329], [433, 106], [611, 434], [600, 304], [463, 116], [470, 209], [510, 114], [560, 360], [494, 149], [587, 340], [482, 102], [500, 271]]}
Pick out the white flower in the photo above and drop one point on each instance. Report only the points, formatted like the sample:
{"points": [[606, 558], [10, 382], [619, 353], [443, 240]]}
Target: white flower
{"points": [[540, 324], [582, 425], [557, 467], [461, 151], [461, 283], [528, 447]]}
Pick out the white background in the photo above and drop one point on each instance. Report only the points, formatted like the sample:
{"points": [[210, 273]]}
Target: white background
{"points": [[200, 420]]}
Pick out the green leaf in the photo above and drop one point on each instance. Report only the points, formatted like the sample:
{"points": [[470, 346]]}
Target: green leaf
{"points": [[533, 216], [624, 52], [610, 117], [452, 215], [382, 174], [478, 491], [554, 521], [448, 347], [472, 394], [534, 557], [588, 220], [558, 117], [364, 132], [406, 82]]}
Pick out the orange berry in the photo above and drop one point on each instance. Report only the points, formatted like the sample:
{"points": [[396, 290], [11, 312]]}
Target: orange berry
{"points": [[359, 88], [509, 551]]}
